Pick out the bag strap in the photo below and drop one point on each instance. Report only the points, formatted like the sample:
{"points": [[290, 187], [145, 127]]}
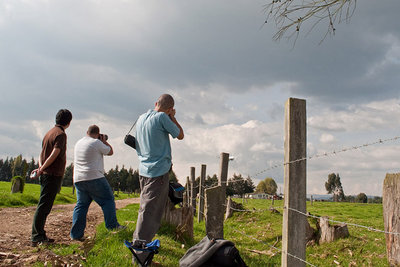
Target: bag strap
{"points": [[132, 126]]}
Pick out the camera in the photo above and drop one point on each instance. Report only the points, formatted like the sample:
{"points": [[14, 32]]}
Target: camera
{"points": [[103, 135]]}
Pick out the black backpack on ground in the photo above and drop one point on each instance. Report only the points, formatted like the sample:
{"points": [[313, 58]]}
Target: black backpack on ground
{"points": [[212, 253]]}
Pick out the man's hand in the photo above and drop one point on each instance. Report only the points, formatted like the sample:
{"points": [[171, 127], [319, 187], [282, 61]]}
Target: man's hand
{"points": [[172, 113], [35, 174]]}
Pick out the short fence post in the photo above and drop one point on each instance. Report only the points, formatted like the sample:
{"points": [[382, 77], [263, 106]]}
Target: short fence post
{"points": [[200, 212], [391, 211], [214, 211], [294, 223], [192, 192]]}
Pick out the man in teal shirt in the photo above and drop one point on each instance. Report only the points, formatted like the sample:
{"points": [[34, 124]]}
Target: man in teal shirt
{"points": [[154, 151]]}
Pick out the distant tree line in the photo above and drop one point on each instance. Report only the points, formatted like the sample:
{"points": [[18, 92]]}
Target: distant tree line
{"points": [[17, 166], [334, 186], [236, 185], [120, 179]]}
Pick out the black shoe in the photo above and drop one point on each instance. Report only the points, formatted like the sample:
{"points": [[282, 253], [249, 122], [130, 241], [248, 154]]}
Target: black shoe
{"points": [[42, 242]]}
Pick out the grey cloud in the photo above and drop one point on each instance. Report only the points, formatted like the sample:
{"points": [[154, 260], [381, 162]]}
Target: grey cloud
{"points": [[200, 43]]}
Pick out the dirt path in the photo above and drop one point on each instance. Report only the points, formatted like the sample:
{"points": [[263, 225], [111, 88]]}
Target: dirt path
{"points": [[16, 226]]}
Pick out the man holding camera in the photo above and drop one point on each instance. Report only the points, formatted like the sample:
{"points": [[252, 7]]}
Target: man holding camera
{"points": [[90, 182], [154, 151], [51, 169]]}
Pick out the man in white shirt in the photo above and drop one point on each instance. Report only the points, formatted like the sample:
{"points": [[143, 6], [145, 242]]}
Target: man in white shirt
{"points": [[90, 182]]}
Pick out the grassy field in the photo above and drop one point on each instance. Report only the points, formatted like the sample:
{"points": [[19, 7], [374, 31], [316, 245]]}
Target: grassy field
{"points": [[30, 196], [253, 233]]}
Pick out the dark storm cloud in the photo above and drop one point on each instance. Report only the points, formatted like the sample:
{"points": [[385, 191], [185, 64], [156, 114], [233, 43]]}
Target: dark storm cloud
{"points": [[117, 61]]}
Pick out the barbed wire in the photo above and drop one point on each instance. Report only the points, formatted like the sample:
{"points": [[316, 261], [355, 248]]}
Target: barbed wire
{"points": [[352, 224], [273, 247], [255, 210], [326, 154], [369, 228]]}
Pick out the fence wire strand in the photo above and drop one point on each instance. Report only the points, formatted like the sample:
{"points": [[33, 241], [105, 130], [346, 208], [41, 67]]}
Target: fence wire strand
{"points": [[352, 224], [327, 154]]}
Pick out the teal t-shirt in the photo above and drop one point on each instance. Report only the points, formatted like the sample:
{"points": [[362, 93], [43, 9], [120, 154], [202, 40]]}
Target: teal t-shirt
{"points": [[152, 143]]}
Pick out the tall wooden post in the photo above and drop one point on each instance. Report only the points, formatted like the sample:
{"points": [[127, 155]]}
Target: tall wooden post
{"points": [[294, 223], [187, 193], [223, 172], [391, 211], [192, 192], [200, 212]]}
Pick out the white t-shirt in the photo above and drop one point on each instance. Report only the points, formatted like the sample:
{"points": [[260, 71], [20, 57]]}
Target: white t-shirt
{"points": [[88, 159]]}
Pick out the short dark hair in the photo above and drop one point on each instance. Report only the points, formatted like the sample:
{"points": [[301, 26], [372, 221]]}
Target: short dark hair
{"points": [[63, 117], [93, 129], [166, 101]]}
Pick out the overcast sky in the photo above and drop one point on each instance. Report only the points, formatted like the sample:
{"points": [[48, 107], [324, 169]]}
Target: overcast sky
{"points": [[108, 62]]}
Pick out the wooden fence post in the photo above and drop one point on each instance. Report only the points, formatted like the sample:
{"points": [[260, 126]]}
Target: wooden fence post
{"points": [[391, 211], [187, 193], [294, 223], [192, 192], [214, 211], [223, 172], [200, 212]]}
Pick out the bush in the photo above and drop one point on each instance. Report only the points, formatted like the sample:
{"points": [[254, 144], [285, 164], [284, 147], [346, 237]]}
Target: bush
{"points": [[21, 181]]}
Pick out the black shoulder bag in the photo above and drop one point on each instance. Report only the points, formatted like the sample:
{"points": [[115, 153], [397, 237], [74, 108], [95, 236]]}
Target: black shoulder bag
{"points": [[130, 139]]}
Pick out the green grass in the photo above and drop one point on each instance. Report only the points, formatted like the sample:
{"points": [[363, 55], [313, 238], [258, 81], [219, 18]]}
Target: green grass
{"points": [[30, 196], [253, 233], [362, 248]]}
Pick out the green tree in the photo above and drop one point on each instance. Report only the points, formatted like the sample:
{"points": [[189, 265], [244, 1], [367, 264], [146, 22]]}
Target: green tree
{"points": [[375, 200], [334, 186], [362, 198], [267, 186], [237, 185], [211, 181], [32, 165], [19, 167], [132, 182], [68, 175], [6, 170]]}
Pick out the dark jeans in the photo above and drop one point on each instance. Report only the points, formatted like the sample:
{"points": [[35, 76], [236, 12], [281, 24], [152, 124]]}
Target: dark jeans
{"points": [[49, 187], [100, 191]]}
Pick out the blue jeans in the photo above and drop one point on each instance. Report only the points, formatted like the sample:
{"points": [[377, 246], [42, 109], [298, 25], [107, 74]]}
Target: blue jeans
{"points": [[100, 191]]}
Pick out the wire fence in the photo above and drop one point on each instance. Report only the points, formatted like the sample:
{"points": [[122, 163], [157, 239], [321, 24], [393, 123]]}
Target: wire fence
{"points": [[282, 164]]}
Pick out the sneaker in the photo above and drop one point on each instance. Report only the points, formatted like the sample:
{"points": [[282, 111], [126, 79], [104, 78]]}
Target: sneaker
{"points": [[42, 242]]}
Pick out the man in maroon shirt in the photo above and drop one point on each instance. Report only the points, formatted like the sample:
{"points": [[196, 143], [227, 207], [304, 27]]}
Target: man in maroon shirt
{"points": [[52, 161]]}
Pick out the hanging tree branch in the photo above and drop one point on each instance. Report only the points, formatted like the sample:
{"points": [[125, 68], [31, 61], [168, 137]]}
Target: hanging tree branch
{"points": [[289, 15]]}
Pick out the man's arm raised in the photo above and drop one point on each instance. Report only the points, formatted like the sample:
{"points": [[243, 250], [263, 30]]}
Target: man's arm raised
{"points": [[173, 119]]}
